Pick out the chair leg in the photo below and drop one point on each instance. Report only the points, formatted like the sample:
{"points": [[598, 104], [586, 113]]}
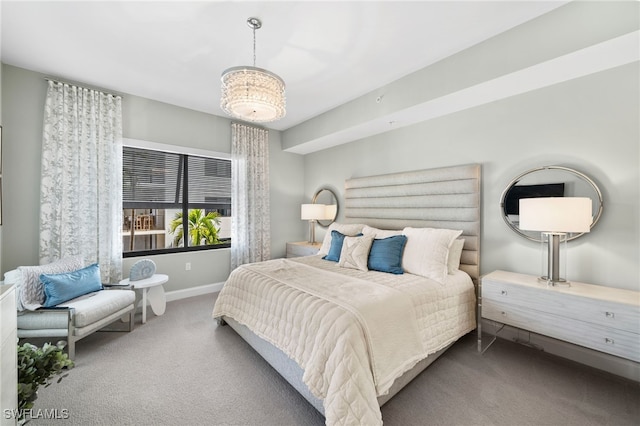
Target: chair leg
{"points": [[71, 343], [71, 348], [132, 318]]}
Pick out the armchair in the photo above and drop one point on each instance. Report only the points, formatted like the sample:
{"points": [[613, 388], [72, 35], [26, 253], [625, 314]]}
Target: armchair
{"points": [[62, 299]]}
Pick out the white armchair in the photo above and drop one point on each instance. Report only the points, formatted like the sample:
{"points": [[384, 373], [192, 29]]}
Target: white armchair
{"points": [[62, 299]]}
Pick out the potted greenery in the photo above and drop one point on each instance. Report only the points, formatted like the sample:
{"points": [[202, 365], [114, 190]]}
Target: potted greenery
{"points": [[37, 367]]}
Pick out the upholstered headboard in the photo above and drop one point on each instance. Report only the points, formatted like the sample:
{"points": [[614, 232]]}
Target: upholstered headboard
{"points": [[447, 197]]}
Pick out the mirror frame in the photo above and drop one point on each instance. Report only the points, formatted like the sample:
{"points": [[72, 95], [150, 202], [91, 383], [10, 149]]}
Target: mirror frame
{"points": [[582, 176], [326, 223]]}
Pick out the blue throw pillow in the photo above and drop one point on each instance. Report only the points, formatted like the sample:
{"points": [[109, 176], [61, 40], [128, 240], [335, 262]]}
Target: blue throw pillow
{"points": [[59, 288], [386, 254], [337, 239]]}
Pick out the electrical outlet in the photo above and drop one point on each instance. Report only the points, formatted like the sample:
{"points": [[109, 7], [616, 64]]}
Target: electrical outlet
{"points": [[187, 266]]}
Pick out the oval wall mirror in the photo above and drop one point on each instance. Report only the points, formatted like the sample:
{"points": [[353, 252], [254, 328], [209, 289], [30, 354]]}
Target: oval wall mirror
{"points": [[327, 197], [548, 181]]}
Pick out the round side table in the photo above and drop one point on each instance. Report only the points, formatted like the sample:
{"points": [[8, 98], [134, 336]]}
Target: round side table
{"points": [[152, 288]]}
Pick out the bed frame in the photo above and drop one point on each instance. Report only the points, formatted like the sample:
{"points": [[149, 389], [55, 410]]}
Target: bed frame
{"points": [[447, 197]]}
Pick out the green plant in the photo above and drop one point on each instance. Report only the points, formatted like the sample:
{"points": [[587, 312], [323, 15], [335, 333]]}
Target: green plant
{"points": [[37, 367], [203, 228]]}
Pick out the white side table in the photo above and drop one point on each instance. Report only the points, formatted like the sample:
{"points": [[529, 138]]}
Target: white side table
{"points": [[153, 287]]}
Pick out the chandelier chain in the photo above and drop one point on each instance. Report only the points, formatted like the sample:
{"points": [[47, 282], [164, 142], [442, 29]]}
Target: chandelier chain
{"points": [[254, 46]]}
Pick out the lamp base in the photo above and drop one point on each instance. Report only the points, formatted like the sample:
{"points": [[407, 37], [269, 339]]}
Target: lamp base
{"points": [[560, 282], [312, 231], [553, 240]]}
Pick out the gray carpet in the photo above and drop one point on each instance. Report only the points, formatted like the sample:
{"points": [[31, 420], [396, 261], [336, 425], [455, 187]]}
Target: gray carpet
{"points": [[182, 369]]}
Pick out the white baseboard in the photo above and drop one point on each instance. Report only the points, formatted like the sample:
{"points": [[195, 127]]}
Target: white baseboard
{"points": [[193, 291], [612, 364]]}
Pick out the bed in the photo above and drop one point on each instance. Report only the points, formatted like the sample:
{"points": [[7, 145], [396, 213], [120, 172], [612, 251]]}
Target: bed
{"points": [[349, 338]]}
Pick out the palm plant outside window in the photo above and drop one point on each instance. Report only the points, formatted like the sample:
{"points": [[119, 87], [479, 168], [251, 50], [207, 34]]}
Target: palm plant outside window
{"points": [[166, 193], [202, 230]]}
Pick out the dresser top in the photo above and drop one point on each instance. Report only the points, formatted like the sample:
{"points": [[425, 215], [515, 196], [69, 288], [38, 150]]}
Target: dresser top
{"points": [[575, 288], [306, 243], [4, 290]]}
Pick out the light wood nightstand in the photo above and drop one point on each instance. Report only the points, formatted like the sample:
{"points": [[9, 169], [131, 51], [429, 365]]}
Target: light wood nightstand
{"points": [[302, 248], [602, 318]]}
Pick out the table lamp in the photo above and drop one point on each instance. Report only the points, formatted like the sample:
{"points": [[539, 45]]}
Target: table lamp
{"points": [[330, 211], [312, 213], [555, 217]]}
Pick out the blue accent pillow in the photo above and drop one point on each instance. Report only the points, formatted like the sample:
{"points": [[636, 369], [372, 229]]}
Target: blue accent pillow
{"points": [[386, 254], [59, 288], [337, 239]]}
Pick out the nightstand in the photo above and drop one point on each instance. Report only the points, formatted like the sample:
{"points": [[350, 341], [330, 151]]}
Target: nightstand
{"points": [[302, 248], [602, 318]]}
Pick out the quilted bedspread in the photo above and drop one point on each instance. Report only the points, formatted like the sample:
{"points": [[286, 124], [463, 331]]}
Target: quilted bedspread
{"points": [[352, 332]]}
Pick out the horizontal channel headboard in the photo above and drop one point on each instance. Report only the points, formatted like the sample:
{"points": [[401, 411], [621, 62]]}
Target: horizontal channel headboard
{"points": [[447, 197]]}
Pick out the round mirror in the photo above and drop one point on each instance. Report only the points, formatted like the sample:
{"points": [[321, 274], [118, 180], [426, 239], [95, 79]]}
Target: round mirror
{"points": [[548, 181], [328, 198]]}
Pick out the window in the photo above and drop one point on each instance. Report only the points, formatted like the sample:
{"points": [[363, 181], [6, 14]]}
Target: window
{"points": [[165, 193]]}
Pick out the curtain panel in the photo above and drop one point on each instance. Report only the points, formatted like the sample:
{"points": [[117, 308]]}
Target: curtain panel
{"points": [[250, 225], [81, 178]]}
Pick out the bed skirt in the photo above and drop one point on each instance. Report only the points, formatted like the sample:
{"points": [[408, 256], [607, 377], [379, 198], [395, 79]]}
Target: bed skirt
{"points": [[293, 373]]}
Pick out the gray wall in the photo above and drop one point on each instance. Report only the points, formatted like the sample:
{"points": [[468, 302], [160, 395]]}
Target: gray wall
{"points": [[589, 123], [23, 99]]}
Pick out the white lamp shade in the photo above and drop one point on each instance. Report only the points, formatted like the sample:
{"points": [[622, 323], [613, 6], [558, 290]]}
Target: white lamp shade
{"points": [[555, 214], [330, 211], [312, 211]]}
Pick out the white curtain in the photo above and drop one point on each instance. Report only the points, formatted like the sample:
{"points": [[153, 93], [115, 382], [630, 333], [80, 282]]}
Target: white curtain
{"points": [[250, 224], [81, 178]]}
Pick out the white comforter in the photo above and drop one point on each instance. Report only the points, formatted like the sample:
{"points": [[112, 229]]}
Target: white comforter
{"points": [[352, 332]]}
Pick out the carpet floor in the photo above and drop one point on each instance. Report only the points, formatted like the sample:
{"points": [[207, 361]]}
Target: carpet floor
{"points": [[183, 369]]}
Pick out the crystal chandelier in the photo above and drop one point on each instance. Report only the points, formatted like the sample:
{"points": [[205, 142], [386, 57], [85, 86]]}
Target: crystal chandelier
{"points": [[251, 93]]}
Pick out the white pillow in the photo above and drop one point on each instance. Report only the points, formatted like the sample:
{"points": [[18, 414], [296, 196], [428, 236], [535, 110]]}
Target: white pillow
{"points": [[32, 291], [348, 229], [455, 252], [355, 252], [427, 251], [379, 233]]}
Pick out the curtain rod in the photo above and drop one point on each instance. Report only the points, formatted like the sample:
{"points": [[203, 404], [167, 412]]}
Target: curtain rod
{"points": [[98, 89]]}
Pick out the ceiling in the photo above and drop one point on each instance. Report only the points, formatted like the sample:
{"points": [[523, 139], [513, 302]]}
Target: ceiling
{"points": [[328, 53]]}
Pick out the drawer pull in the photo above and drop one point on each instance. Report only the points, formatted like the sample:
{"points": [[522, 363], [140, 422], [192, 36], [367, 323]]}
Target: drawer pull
{"points": [[609, 341], [503, 292], [503, 313], [610, 314]]}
